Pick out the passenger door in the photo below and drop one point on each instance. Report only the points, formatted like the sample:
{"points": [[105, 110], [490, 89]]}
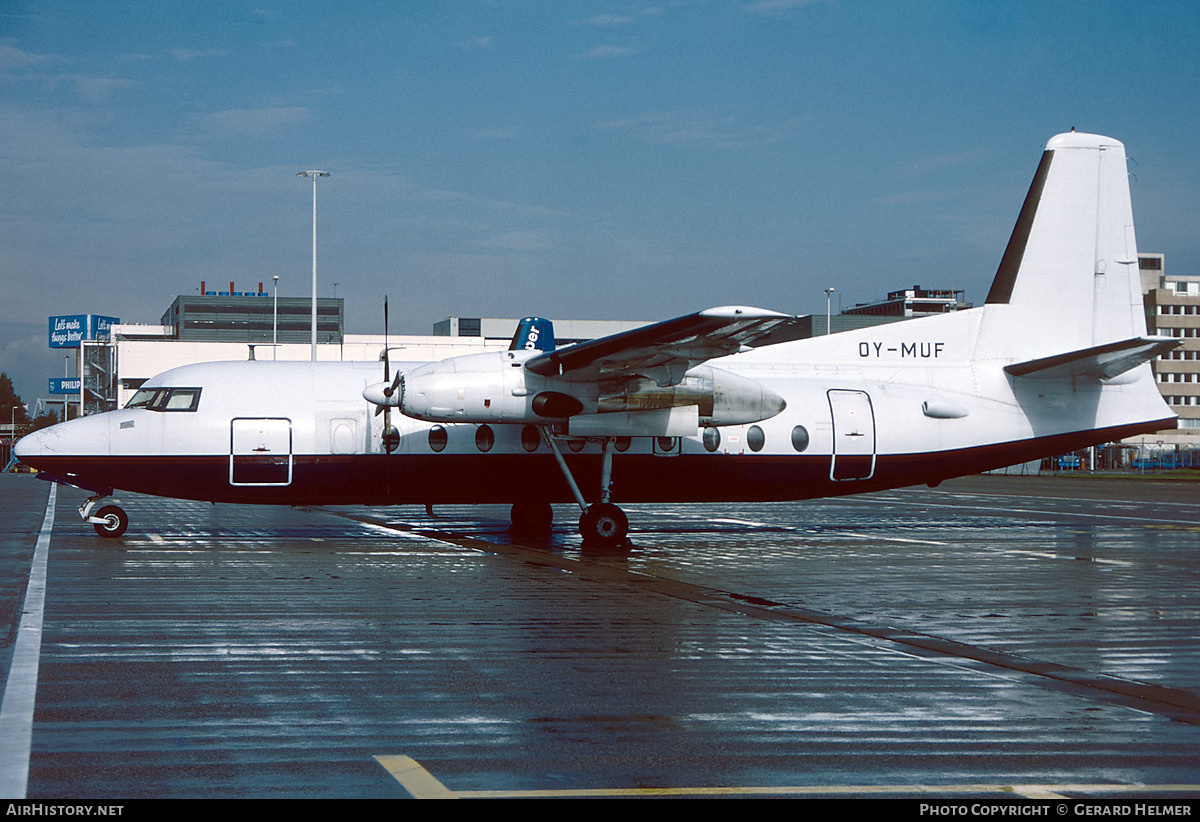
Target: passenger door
{"points": [[260, 451], [853, 435]]}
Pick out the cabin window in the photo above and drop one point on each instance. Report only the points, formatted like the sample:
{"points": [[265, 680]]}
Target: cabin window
{"points": [[622, 444], [438, 437], [166, 399], [484, 438], [755, 438], [712, 439], [531, 438], [800, 438]]}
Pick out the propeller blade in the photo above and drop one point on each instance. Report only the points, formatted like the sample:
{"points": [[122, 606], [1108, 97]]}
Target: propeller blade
{"points": [[387, 371]]}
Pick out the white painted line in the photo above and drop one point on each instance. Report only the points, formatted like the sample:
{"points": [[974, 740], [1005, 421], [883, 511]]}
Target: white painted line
{"points": [[851, 534], [16, 712], [877, 538], [1044, 514]]}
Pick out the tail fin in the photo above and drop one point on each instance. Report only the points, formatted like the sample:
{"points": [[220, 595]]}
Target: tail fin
{"points": [[533, 334], [1069, 277]]}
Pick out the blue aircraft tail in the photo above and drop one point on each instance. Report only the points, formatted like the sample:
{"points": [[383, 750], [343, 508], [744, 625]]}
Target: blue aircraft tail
{"points": [[533, 334]]}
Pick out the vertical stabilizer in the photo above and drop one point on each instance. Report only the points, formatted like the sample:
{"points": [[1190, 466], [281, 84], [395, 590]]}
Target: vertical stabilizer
{"points": [[533, 334], [1069, 278]]}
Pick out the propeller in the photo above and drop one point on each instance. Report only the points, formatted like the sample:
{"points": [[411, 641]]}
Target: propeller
{"points": [[391, 437], [388, 390]]}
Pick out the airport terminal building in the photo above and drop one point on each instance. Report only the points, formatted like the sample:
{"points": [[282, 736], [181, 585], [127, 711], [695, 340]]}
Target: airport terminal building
{"points": [[1173, 310]]}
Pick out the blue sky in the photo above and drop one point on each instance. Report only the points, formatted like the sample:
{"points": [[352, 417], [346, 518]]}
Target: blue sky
{"points": [[601, 160]]}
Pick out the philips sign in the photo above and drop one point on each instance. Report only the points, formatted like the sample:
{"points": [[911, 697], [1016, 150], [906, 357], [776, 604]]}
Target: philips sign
{"points": [[71, 330], [65, 385]]}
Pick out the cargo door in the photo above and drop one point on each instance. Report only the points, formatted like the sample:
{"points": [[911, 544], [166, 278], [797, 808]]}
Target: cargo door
{"points": [[260, 451], [853, 435]]}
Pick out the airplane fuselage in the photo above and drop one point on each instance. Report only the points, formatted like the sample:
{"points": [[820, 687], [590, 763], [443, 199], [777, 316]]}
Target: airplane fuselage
{"points": [[879, 408]]}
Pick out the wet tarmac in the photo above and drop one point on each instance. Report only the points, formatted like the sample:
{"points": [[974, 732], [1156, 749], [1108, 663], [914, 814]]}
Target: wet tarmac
{"points": [[994, 637]]}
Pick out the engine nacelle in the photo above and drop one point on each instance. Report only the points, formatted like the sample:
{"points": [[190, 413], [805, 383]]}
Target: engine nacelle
{"points": [[495, 387], [723, 398], [481, 388]]}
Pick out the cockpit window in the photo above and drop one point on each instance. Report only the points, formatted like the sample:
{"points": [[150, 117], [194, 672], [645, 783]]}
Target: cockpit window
{"points": [[142, 398], [166, 399]]}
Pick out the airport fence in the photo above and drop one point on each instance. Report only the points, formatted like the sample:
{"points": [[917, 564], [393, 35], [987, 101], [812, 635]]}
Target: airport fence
{"points": [[1124, 457]]}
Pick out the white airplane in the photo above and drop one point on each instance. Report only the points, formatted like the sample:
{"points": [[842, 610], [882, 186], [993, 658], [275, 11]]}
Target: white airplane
{"points": [[684, 410]]}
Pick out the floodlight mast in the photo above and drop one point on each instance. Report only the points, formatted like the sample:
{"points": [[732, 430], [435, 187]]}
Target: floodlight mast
{"points": [[275, 318], [314, 173]]}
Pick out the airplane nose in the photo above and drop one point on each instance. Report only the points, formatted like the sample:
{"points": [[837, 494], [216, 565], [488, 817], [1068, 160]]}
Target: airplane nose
{"points": [[32, 445], [86, 436]]}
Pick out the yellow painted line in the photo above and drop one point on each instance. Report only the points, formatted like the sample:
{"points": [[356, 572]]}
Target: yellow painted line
{"points": [[414, 778], [421, 784]]}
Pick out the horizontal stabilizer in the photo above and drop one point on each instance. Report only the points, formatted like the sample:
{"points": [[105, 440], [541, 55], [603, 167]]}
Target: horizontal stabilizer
{"points": [[1100, 362]]}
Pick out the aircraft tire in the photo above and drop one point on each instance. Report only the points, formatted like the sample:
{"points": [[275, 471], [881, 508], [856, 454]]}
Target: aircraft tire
{"points": [[532, 518], [115, 521], [603, 525]]}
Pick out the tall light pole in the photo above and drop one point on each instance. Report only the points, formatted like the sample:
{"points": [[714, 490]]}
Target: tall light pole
{"points": [[828, 291], [275, 317], [314, 173]]}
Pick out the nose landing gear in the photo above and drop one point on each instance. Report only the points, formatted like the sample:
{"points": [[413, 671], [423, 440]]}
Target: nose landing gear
{"points": [[110, 521], [113, 521]]}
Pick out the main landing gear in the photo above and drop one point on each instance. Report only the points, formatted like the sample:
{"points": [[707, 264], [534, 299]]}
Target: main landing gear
{"points": [[109, 521], [531, 518], [601, 524]]}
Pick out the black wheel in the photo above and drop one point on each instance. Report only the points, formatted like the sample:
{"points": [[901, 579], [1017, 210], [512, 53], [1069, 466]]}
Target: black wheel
{"points": [[115, 521], [604, 525], [533, 518]]}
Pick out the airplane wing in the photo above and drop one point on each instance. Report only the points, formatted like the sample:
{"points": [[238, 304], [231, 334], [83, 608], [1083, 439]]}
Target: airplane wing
{"points": [[663, 351]]}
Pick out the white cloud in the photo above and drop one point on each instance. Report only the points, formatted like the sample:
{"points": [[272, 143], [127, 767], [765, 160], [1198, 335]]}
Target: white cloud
{"points": [[517, 240], [607, 21], [475, 43], [184, 55], [12, 57], [497, 133], [778, 7], [944, 161], [605, 52], [256, 122], [701, 128]]}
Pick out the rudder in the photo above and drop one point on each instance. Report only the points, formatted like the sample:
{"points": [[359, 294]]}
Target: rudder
{"points": [[1069, 276]]}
